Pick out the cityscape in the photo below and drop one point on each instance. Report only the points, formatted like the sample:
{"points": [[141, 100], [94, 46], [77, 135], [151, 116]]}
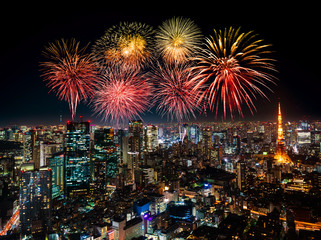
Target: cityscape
{"points": [[215, 180], [166, 122]]}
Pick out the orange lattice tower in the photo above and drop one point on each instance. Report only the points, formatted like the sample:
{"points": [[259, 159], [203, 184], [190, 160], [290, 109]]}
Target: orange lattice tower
{"points": [[280, 155]]}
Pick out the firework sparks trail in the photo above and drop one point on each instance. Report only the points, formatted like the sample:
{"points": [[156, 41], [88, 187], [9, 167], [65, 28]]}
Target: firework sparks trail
{"points": [[69, 72], [124, 95], [233, 66], [128, 45], [177, 93], [177, 39]]}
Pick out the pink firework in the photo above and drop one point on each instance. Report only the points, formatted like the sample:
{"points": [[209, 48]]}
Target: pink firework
{"points": [[70, 73], [177, 92], [124, 95], [234, 68]]}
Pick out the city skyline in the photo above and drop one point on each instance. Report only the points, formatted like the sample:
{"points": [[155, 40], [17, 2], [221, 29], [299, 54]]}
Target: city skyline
{"points": [[30, 102], [159, 122], [248, 180]]}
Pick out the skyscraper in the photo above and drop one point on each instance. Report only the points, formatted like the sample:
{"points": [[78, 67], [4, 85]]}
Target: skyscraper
{"points": [[104, 157], [241, 175], [280, 154], [35, 147], [57, 165], [27, 147], [194, 133], [185, 133], [207, 142], [35, 201], [135, 141], [122, 143], [150, 138], [236, 144], [77, 158]]}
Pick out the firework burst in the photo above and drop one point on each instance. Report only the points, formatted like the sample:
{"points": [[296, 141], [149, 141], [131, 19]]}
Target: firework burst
{"points": [[176, 92], [128, 45], [69, 72], [123, 95], [233, 66], [177, 39]]}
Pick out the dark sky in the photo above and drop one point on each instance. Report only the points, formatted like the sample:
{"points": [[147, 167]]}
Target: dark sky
{"points": [[293, 30]]}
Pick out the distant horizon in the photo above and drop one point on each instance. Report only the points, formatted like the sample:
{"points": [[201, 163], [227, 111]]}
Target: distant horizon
{"points": [[148, 122]]}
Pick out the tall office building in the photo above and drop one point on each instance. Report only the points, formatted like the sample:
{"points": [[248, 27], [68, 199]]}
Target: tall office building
{"points": [[135, 141], [57, 165], [194, 133], [47, 149], [122, 141], [184, 132], [124, 150], [207, 142], [35, 147], [150, 138], [104, 157], [241, 175], [27, 147], [35, 202], [77, 158], [236, 144]]}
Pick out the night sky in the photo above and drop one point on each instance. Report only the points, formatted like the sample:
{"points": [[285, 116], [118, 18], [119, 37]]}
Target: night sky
{"points": [[293, 30]]}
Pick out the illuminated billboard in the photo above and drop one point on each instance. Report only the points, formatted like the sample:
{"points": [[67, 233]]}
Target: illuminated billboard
{"points": [[304, 137]]}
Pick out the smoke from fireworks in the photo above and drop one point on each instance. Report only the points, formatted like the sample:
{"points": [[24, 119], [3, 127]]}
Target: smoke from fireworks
{"points": [[124, 95], [69, 72], [234, 67], [176, 91], [127, 44], [177, 39]]}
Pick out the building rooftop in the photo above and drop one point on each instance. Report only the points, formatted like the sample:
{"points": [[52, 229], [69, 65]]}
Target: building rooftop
{"points": [[133, 222]]}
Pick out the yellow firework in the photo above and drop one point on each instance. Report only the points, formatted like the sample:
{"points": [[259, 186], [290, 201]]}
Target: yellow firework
{"points": [[177, 39]]}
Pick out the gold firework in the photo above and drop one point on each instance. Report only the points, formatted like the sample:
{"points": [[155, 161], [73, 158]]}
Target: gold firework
{"points": [[127, 44], [177, 39], [133, 49]]}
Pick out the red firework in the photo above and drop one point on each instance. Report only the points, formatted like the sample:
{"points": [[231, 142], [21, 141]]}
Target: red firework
{"points": [[177, 91], [233, 67], [124, 95], [70, 73]]}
